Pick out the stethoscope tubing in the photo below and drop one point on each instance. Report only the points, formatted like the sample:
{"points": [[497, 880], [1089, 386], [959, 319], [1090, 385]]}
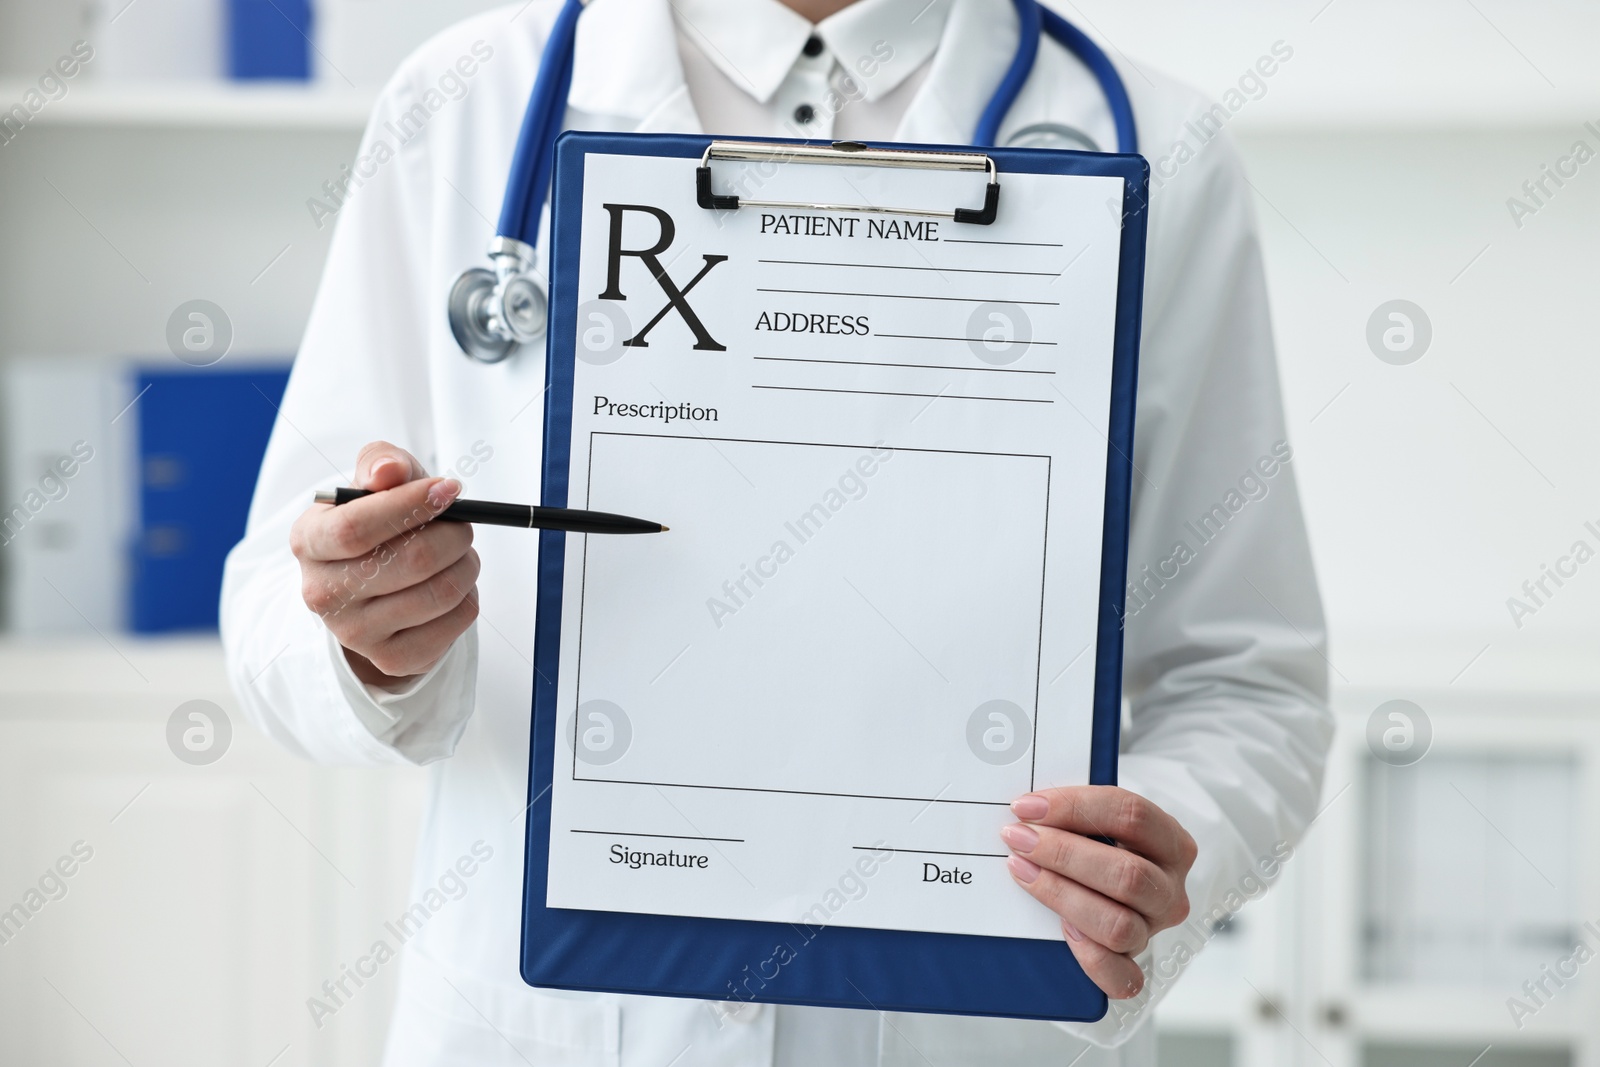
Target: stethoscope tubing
{"points": [[1092, 56], [535, 155]]}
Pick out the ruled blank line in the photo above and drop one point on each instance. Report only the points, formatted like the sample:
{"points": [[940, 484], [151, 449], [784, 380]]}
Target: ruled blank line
{"points": [[900, 266], [673, 837], [912, 296], [882, 392], [929, 851], [1028, 244], [920, 366], [977, 340]]}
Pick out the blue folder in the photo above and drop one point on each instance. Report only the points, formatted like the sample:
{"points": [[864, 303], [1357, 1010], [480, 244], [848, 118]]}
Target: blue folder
{"points": [[841, 967], [201, 436], [269, 40]]}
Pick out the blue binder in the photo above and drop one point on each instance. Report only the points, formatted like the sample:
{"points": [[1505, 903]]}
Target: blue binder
{"points": [[877, 969], [201, 436], [269, 40]]}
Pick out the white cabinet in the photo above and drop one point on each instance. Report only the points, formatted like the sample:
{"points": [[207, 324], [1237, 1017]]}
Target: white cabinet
{"points": [[1421, 901], [214, 900]]}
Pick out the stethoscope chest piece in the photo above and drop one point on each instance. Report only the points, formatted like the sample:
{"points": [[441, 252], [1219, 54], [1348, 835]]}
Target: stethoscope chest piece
{"points": [[495, 312]]}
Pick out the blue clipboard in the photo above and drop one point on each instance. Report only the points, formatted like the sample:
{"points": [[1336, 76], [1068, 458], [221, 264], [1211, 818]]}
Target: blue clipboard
{"points": [[841, 967]]}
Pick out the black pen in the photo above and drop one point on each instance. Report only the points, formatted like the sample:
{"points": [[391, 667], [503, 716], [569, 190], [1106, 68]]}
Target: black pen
{"points": [[488, 512]]}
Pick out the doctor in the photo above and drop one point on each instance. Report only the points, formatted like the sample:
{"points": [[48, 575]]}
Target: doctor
{"points": [[361, 635]]}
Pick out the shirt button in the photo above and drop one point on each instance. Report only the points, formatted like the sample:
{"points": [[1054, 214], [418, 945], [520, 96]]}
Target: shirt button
{"points": [[813, 46], [804, 114]]}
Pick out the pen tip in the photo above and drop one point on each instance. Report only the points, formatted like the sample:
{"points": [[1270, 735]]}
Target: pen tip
{"points": [[664, 529]]}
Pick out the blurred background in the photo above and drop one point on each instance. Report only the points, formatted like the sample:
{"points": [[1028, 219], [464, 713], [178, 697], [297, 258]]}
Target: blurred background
{"points": [[1436, 313]]}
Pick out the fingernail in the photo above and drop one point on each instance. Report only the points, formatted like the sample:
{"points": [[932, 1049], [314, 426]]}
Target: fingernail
{"points": [[1022, 838], [1023, 870], [1032, 806], [441, 493], [1072, 931]]}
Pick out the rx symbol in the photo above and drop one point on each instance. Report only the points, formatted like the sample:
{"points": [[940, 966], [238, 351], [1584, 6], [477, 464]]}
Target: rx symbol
{"points": [[650, 257]]}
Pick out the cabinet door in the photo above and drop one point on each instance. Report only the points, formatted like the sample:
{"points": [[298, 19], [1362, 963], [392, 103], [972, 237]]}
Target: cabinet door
{"points": [[1447, 882], [205, 903]]}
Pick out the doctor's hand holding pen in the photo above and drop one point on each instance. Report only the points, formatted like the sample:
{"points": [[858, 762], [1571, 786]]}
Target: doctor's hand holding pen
{"points": [[395, 587], [389, 566], [1111, 898]]}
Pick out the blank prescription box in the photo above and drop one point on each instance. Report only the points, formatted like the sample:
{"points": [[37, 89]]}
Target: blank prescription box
{"points": [[835, 613]]}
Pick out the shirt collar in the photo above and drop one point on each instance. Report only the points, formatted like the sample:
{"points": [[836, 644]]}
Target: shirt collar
{"points": [[756, 43]]}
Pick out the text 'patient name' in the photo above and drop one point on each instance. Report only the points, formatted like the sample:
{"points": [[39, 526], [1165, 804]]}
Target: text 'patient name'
{"points": [[828, 226]]}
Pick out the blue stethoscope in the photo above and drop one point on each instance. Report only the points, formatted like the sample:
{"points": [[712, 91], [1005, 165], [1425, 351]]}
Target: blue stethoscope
{"points": [[495, 311]]}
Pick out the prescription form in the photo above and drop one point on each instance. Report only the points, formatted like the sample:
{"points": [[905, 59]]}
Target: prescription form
{"points": [[880, 443]]}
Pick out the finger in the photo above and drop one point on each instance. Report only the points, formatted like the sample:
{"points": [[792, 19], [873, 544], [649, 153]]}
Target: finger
{"points": [[1107, 811], [330, 588], [326, 532], [412, 558], [415, 651], [380, 465], [1118, 873], [1116, 926], [1117, 975], [382, 617]]}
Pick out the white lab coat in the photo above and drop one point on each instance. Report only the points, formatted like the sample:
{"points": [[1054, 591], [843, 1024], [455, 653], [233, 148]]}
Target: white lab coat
{"points": [[1224, 667]]}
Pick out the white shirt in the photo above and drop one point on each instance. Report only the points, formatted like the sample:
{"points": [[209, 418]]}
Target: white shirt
{"points": [[1223, 661]]}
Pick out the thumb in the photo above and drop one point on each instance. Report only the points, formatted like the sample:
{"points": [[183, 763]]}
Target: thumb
{"points": [[381, 465]]}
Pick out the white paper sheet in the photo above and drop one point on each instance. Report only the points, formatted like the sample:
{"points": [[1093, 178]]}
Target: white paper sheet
{"points": [[873, 622]]}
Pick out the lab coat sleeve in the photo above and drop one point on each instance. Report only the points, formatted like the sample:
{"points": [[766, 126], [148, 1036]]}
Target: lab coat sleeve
{"points": [[362, 374], [1225, 665]]}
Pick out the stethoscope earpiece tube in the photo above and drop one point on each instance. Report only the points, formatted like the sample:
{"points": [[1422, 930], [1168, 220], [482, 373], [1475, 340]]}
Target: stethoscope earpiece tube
{"points": [[534, 159], [1078, 43], [987, 135]]}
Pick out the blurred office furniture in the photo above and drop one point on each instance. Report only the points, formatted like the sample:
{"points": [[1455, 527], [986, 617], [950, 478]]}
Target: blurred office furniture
{"points": [[127, 483], [165, 39], [1422, 900], [218, 898], [65, 491]]}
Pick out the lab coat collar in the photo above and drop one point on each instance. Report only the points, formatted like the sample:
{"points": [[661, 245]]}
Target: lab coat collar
{"points": [[753, 42], [626, 66], [977, 46], [860, 35]]}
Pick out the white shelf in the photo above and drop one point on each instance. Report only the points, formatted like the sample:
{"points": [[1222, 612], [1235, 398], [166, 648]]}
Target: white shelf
{"points": [[117, 665], [200, 105]]}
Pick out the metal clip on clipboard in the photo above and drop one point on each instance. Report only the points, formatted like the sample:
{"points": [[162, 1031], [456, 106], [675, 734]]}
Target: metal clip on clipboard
{"points": [[849, 153]]}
